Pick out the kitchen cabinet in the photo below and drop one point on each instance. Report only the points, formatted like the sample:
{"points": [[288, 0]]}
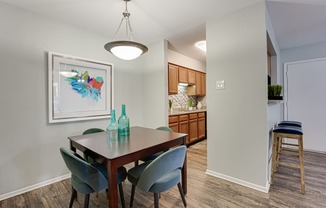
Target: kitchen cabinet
{"points": [[192, 124], [173, 123], [203, 84], [183, 75], [173, 74], [184, 125], [198, 83], [193, 127], [201, 125], [191, 77]]}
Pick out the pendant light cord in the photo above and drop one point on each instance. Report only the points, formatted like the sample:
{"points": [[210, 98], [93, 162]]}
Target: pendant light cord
{"points": [[126, 15]]}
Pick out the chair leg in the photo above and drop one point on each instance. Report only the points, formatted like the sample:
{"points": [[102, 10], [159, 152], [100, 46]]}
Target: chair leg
{"points": [[182, 194], [73, 197], [301, 164], [122, 197], [156, 200], [133, 189], [86, 201]]}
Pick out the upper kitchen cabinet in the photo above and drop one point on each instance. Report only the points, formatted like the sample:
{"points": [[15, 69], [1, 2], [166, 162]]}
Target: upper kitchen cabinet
{"points": [[173, 74], [191, 77], [198, 83], [183, 75], [199, 88], [203, 84]]}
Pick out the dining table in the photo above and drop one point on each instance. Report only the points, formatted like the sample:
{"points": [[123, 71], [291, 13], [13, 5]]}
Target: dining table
{"points": [[141, 143]]}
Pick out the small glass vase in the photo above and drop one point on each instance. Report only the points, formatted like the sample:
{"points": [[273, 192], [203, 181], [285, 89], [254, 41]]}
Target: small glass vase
{"points": [[112, 129], [124, 129]]}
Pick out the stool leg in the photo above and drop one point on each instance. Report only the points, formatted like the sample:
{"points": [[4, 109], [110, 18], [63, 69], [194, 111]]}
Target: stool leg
{"points": [[279, 148], [300, 143], [274, 155]]}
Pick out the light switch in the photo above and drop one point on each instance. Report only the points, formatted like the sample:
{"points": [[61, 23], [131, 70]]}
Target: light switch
{"points": [[220, 85]]}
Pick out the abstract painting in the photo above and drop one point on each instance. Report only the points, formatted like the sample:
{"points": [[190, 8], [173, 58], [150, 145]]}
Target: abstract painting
{"points": [[79, 88]]}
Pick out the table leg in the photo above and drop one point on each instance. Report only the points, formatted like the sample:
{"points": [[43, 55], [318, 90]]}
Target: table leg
{"points": [[113, 184]]}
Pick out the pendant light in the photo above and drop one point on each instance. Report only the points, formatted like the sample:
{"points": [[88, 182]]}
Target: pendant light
{"points": [[126, 49]]}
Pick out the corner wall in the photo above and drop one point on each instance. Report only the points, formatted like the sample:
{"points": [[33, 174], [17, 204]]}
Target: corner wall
{"points": [[237, 115]]}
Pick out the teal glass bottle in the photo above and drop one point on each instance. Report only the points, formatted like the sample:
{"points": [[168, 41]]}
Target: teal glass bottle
{"points": [[124, 130], [112, 129]]}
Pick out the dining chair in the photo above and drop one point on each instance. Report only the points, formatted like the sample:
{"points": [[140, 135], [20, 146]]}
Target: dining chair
{"points": [[160, 175], [88, 178], [154, 156], [91, 131]]}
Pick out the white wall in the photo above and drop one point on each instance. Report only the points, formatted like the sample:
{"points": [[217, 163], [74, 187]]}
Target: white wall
{"points": [[182, 60], [237, 115], [29, 150], [312, 51], [155, 85], [274, 111]]}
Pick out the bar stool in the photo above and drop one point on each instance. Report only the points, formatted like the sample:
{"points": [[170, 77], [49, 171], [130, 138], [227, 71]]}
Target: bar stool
{"points": [[290, 123], [291, 132], [286, 123]]}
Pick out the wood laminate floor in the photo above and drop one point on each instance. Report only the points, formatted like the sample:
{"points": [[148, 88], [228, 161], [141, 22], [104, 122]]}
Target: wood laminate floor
{"points": [[204, 191]]}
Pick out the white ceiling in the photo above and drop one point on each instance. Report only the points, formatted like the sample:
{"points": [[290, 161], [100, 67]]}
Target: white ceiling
{"points": [[182, 22]]}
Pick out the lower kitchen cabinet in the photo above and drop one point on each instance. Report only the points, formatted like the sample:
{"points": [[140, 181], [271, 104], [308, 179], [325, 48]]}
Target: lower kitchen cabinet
{"points": [[193, 129], [174, 123], [193, 124], [184, 125], [201, 125]]}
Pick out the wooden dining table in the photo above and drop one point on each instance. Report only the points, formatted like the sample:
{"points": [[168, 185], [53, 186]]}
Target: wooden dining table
{"points": [[141, 143]]}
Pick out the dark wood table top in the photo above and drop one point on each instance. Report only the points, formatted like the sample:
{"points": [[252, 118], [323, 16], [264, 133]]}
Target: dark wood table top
{"points": [[141, 139]]}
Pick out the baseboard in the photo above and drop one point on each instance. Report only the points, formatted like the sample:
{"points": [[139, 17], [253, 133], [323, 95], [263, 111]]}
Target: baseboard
{"points": [[32, 187], [264, 189]]}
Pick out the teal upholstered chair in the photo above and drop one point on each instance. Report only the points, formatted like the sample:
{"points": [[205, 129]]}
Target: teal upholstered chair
{"points": [[159, 175], [154, 156], [88, 178], [91, 131]]}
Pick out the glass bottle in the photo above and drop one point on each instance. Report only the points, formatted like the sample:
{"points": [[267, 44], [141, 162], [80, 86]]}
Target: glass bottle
{"points": [[112, 129], [124, 131]]}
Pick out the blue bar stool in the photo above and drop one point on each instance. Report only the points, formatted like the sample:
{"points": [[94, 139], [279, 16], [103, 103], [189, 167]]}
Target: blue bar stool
{"points": [[291, 132], [290, 123]]}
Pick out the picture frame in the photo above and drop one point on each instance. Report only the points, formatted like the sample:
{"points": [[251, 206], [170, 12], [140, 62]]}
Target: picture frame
{"points": [[78, 88]]}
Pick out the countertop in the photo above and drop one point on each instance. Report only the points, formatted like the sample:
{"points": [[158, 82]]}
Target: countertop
{"points": [[176, 112]]}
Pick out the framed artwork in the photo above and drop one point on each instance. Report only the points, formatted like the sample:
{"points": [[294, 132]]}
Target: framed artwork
{"points": [[79, 88]]}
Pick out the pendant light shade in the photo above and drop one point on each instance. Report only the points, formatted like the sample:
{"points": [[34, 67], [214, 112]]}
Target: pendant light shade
{"points": [[126, 49]]}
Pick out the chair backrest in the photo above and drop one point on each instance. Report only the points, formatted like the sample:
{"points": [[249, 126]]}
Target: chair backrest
{"points": [[84, 171], [164, 128], [92, 130], [166, 163]]}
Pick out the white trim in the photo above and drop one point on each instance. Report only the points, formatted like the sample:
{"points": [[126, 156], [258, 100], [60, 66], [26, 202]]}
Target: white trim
{"points": [[264, 189], [32, 187]]}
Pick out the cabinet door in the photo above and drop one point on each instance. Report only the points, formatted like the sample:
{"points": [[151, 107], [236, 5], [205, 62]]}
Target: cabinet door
{"points": [[203, 84], [174, 127], [201, 127], [183, 128], [191, 77], [193, 130], [198, 83], [183, 75], [173, 79]]}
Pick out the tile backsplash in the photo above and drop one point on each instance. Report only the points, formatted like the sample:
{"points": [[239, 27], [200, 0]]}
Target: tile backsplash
{"points": [[181, 99]]}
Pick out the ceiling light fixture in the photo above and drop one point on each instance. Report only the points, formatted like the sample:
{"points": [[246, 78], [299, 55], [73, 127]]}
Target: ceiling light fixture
{"points": [[201, 45], [126, 49]]}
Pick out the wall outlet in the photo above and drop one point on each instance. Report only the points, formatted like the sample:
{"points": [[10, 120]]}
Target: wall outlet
{"points": [[220, 85]]}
